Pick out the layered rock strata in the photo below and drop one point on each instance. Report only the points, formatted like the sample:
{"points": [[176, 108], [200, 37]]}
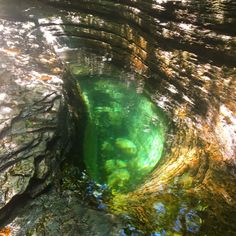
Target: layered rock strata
{"points": [[39, 113], [184, 53]]}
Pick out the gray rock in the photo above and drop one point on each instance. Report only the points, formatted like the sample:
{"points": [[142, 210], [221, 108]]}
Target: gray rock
{"points": [[52, 214], [35, 120]]}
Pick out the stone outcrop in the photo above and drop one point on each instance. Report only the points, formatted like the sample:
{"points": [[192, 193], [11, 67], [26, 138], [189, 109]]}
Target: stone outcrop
{"points": [[38, 124], [41, 114], [184, 54]]}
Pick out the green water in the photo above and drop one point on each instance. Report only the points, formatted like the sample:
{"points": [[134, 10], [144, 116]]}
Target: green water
{"points": [[124, 134]]}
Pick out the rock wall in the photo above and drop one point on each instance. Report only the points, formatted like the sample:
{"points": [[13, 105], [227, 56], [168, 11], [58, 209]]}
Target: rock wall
{"points": [[39, 113], [184, 53]]}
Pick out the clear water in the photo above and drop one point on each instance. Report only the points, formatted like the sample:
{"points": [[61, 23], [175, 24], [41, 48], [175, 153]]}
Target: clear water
{"points": [[122, 123], [125, 132]]}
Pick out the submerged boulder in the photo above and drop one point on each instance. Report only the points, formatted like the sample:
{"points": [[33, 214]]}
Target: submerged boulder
{"points": [[118, 178], [126, 146], [113, 164]]}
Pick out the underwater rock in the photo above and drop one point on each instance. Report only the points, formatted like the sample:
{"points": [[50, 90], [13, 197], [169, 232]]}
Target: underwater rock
{"points": [[110, 165], [118, 178], [193, 222], [114, 141], [107, 147], [114, 117], [121, 164], [45, 214], [126, 146], [113, 164], [76, 69]]}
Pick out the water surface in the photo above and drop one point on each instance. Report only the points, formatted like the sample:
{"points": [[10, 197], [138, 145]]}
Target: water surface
{"points": [[125, 132]]}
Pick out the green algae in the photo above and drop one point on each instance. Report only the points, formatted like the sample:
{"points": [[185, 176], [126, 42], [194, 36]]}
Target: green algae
{"points": [[124, 134]]}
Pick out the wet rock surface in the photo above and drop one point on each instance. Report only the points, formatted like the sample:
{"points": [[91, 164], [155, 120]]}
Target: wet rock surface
{"points": [[31, 100], [186, 60], [61, 214], [38, 114]]}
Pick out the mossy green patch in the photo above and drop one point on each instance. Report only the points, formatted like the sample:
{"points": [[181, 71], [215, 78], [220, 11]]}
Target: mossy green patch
{"points": [[125, 132]]}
